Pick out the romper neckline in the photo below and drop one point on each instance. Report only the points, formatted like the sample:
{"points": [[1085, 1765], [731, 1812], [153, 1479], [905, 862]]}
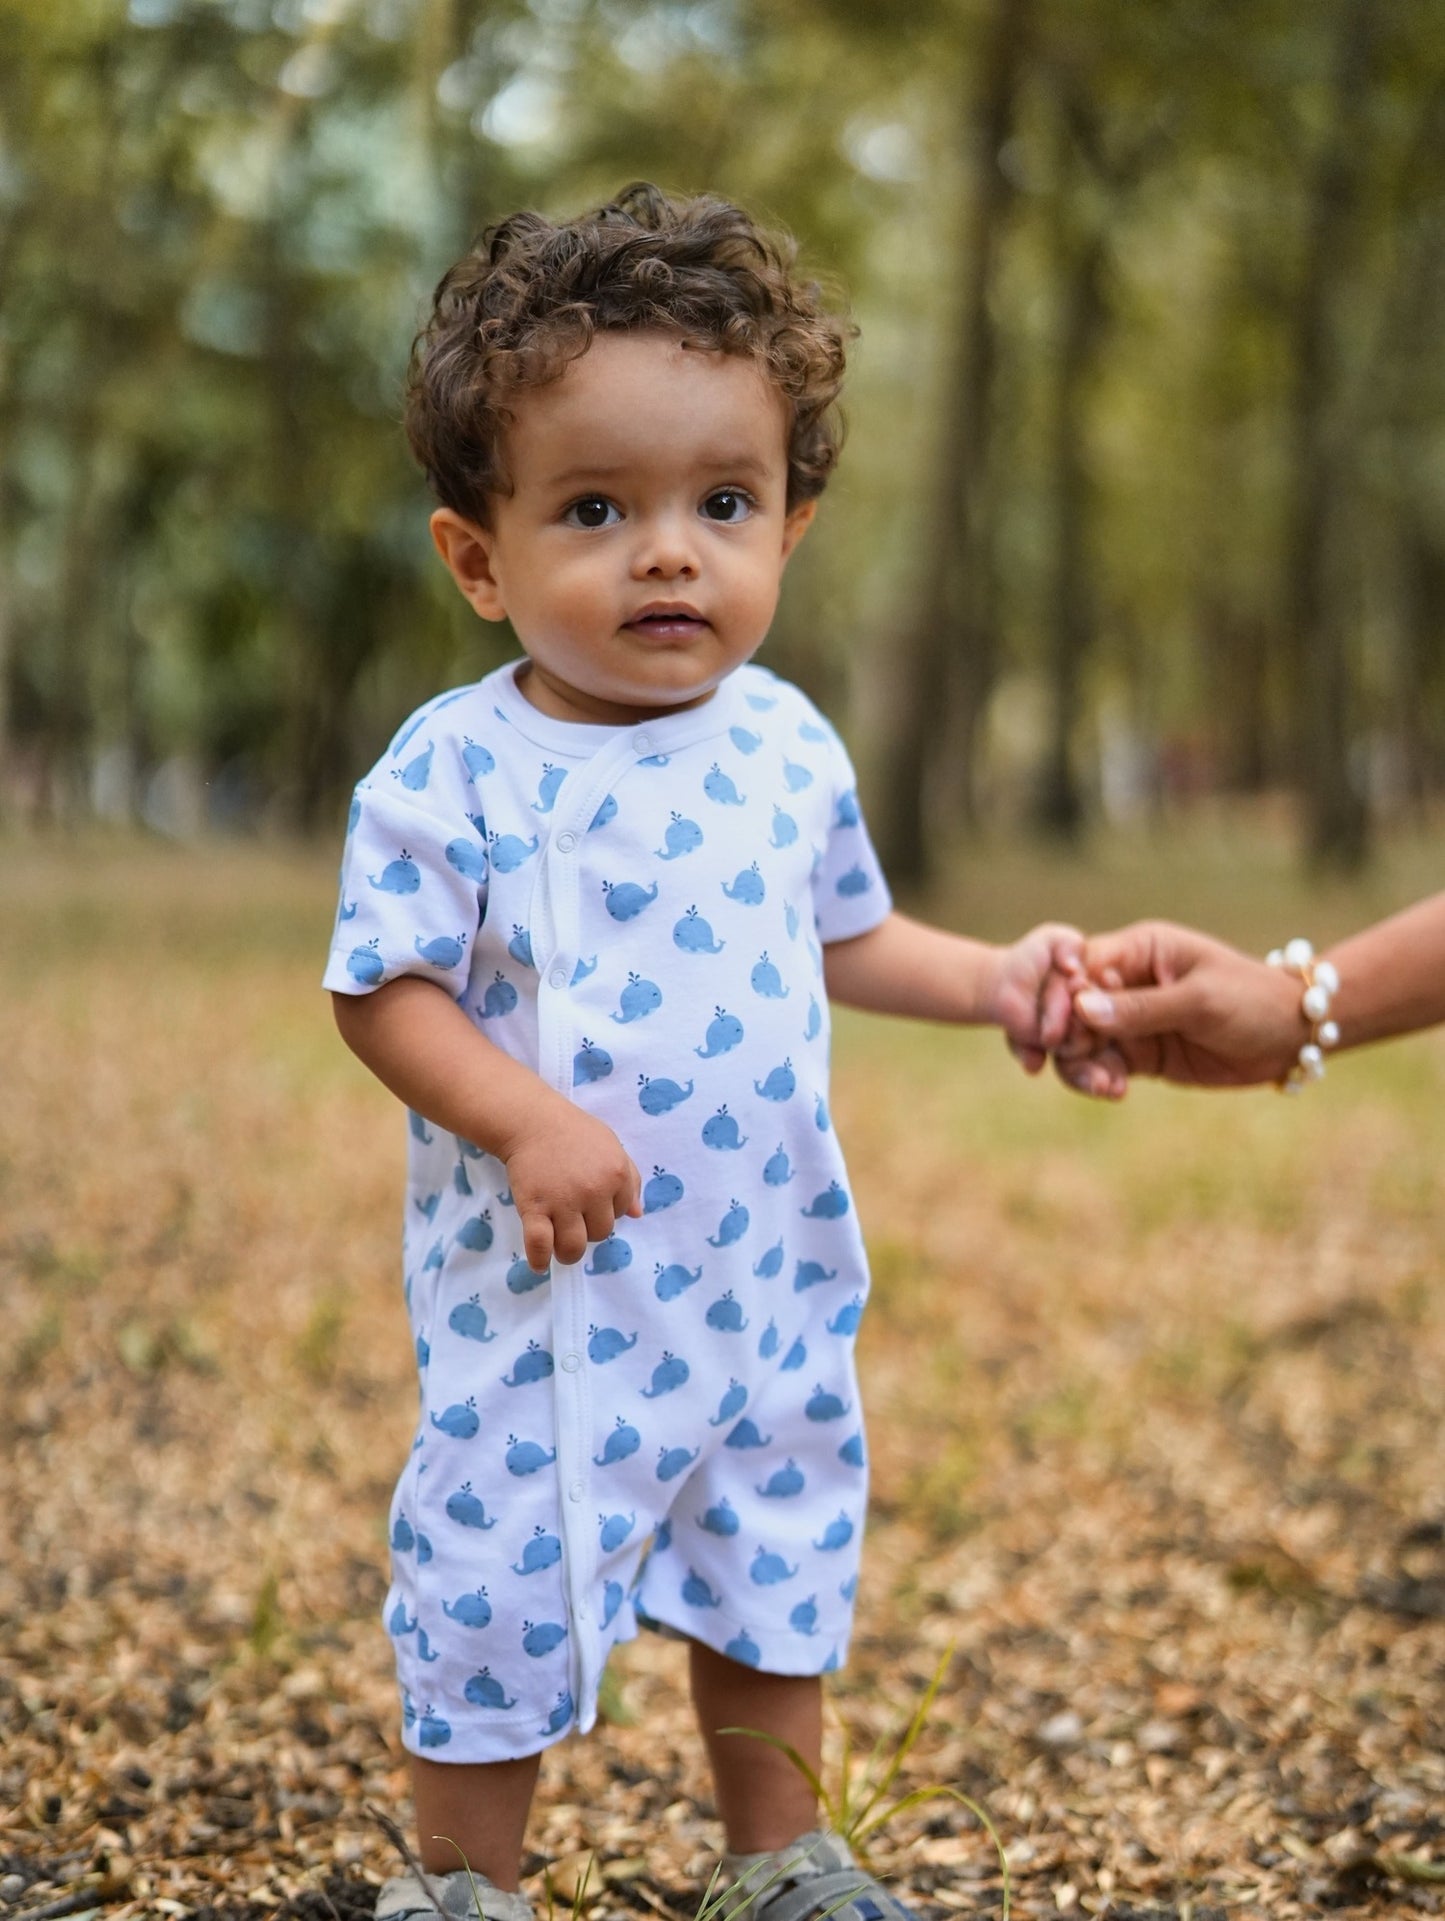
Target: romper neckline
{"points": [[580, 740]]}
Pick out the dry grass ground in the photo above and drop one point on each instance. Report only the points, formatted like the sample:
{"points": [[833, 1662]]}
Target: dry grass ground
{"points": [[1155, 1402]]}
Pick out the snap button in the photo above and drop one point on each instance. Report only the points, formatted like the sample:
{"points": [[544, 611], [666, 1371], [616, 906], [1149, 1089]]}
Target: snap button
{"points": [[643, 743], [558, 977], [576, 1491], [566, 842], [571, 1362]]}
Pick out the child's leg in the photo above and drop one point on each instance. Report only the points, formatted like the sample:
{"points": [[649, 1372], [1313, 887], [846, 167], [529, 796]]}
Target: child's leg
{"points": [[763, 1800], [482, 1807]]}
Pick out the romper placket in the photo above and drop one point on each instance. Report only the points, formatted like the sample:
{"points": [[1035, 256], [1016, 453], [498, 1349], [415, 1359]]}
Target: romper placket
{"points": [[556, 926]]}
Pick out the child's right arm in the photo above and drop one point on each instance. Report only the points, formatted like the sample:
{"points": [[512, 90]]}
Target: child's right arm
{"points": [[570, 1176]]}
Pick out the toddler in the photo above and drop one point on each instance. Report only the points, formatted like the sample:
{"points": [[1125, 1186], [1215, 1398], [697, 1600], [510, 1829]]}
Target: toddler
{"points": [[593, 911]]}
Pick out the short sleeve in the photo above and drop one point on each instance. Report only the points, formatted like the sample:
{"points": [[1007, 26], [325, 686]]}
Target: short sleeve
{"points": [[850, 894], [413, 892]]}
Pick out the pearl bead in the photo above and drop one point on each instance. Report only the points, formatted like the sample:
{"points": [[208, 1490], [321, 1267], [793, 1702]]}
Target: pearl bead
{"points": [[1291, 1086], [1275, 957], [1329, 1035], [1327, 976], [1316, 1002], [1298, 952], [1312, 1061]]}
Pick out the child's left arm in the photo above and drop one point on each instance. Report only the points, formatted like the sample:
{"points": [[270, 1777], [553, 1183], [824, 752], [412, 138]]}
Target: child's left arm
{"points": [[902, 966]]}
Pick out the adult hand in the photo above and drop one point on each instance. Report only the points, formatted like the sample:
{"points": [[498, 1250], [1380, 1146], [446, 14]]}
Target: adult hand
{"points": [[1184, 1007]]}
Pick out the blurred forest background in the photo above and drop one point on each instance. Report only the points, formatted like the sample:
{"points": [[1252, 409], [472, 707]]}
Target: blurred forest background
{"points": [[1145, 495]]}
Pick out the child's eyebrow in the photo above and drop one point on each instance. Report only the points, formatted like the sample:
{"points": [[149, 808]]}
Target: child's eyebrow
{"points": [[738, 465]]}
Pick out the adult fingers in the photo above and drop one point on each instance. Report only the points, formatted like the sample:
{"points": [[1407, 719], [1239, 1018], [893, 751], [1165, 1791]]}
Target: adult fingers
{"points": [[1100, 1077], [1132, 1013]]}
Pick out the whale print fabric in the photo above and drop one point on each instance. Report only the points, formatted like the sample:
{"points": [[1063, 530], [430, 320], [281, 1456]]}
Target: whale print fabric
{"points": [[670, 1428]]}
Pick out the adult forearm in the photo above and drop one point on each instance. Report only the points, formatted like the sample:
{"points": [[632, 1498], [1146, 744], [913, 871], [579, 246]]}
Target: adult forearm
{"points": [[1392, 975], [419, 1043]]}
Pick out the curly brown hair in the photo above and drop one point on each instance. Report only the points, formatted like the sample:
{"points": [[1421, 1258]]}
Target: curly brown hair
{"points": [[528, 298]]}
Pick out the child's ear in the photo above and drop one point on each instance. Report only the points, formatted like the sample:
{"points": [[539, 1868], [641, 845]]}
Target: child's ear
{"points": [[466, 551], [797, 524]]}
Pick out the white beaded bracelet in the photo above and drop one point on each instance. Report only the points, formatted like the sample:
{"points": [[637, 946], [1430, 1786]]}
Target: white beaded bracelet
{"points": [[1322, 983]]}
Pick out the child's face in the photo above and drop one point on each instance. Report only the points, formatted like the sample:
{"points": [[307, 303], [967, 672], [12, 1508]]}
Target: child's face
{"points": [[640, 552]]}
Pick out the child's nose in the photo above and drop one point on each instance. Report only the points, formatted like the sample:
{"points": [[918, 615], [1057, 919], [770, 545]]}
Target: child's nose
{"points": [[667, 549]]}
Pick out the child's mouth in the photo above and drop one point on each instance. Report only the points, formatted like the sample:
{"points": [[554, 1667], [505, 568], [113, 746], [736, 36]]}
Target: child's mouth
{"points": [[668, 624]]}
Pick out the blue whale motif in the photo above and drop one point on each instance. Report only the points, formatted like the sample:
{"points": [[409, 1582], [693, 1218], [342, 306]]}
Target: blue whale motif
{"points": [[476, 759], [697, 1594], [606, 812], [398, 1623], [423, 1549], [548, 787], [780, 1083], [415, 775], [797, 776], [820, 1116], [825, 1407], [434, 1257], [461, 1421], [622, 1441], [811, 1274], [720, 1130], [804, 1617], [402, 1538], [433, 1730], [768, 1344], [767, 981], [561, 1714], [718, 786], [673, 1280], [534, 1365], [660, 1096], [694, 936], [785, 829], [790, 919], [743, 1649], [423, 1351], [747, 887], [768, 1569], [815, 1020], [851, 1451], [849, 1588], [615, 1530], [726, 1314], [720, 1519], [669, 1375], [836, 1534], [466, 1509], [771, 1263], [682, 837], [365, 965], [663, 1190], [671, 1461], [499, 999], [522, 1278], [846, 1320], [445, 950], [544, 1550], [638, 999], [847, 813], [582, 971], [417, 1123], [830, 1205], [732, 1226], [461, 1181], [612, 1599], [469, 1610], [469, 860], [777, 1169], [783, 1482], [510, 850], [353, 813], [746, 1435], [401, 876], [762, 703], [796, 1357], [610, 1256], [428, 1205], [520, 946], [475, 1233], [526, 1457], [485, 1691], [724, 1032], [810, 730], [346, 911], [626, 900], [590, 1063], [734, 1400], [854, 882], [656, 760], [745, 740], [606, 1343]]}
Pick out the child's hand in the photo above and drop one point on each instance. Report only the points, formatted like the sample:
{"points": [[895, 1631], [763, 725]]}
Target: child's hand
{"points": [[1034, 1004], [572, 1181]]}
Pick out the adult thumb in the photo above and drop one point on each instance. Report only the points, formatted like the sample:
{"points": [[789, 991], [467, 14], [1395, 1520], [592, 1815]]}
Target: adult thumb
{"points": [[1134, 1013]]}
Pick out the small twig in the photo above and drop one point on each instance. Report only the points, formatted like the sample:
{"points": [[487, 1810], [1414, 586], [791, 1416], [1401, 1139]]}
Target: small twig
{"points": [[67, 1904], [403, 1847]]}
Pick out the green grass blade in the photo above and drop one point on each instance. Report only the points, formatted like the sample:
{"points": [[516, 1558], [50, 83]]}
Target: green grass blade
{"points": [[809, 1774]]}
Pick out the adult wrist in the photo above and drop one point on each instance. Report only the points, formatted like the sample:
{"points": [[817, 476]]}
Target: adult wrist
{"points": [[1316, 981]]}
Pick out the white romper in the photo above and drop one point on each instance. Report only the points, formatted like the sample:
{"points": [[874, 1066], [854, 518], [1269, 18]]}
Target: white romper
{"points": [[668, 1429]]}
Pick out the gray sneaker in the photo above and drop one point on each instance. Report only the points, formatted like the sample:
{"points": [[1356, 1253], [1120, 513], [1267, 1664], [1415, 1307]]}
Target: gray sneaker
{"points": [[463, 1897], [814, 1879]]}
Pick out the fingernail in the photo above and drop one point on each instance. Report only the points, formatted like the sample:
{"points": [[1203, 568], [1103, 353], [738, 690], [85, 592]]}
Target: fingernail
{"points": [[1095, 1007]]}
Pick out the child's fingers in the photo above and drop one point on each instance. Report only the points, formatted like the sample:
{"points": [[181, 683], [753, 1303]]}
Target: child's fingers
{"points": [[537, 1241], [1056, 1003], [600, 1219], [570, 1237], [628, 1198], [1030, 1059]]}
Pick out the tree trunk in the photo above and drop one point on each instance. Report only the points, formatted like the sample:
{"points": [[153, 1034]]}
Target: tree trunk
{"points": [[949, 658]]}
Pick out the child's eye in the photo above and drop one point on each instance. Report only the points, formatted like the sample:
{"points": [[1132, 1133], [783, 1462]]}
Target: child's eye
{"points": [[727, 504], [591, 511]]}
